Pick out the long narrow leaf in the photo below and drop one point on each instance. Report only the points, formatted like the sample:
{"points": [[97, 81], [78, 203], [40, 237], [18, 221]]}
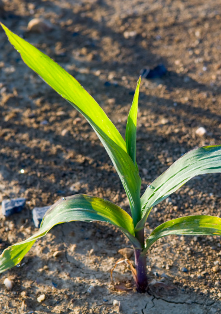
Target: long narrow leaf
{"points": [[78, 207], [190, 225], [198, 161], [131, 128], [65, 85]]}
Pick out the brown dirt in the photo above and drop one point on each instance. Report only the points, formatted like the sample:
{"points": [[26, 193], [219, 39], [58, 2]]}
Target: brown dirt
{"points": [[61, 155]]}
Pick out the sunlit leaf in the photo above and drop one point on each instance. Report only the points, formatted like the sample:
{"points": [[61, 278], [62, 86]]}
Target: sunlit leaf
{"points": [[131, 128], [65, 85]]}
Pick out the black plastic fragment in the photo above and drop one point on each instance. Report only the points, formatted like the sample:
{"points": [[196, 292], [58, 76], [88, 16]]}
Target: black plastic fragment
{"points": [[107, 84], [157, 72]]}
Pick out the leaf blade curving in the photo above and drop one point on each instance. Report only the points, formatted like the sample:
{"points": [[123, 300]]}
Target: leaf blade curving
{"points": [[196, 162], [70, 89], [190, 225], [74, 208]]}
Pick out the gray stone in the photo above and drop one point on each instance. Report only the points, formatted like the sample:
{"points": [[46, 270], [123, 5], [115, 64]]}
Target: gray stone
{"points": [[38, 214], [10, 207]]}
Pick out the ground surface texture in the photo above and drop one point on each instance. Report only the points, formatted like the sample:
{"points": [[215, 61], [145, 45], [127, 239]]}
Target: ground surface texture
{"points": [[47, 151]]}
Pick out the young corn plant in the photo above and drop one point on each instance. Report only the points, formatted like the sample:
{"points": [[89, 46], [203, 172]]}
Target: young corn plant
{"points": [[122, 152]]}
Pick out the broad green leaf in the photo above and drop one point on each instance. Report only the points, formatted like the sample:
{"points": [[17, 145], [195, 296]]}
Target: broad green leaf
{"points": [[65, 85], [198, 161], [190, 225], [78, 207], [131, 128]]}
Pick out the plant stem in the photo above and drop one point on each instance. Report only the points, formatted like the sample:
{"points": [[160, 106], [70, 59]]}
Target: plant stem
{"points": [[140, 263], [141, 271]]}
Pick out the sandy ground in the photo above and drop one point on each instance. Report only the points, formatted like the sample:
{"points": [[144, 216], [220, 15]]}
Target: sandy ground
{"points": [[105, 45]]}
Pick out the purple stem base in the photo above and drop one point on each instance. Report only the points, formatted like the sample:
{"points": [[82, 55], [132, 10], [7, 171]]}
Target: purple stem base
{"points": [[141, 276]]}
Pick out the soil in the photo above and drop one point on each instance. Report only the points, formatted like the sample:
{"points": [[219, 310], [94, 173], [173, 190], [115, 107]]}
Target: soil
{"points": [[47, 150]]}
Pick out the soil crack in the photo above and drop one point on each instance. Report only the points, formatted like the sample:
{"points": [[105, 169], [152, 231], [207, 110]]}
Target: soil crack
{"points": [[181, 303], [142, 311]]}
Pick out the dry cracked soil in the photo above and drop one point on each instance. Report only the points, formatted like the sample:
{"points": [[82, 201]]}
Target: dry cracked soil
{"points": [[47, 151]]}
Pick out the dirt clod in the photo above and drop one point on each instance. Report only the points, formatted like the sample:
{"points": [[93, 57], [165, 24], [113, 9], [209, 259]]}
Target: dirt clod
{"points": [[37, 25], [126, 252]]}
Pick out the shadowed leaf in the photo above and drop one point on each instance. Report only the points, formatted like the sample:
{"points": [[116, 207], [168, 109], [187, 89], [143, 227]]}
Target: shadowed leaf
{"points": [[198, 161], [190, 225], [77, 207]]}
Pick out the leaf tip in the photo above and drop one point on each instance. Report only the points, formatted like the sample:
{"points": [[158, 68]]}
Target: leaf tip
{"points": [[139, 81], [7, 31], [3, 26]]}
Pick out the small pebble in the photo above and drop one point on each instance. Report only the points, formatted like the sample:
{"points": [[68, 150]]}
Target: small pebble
{"points": [[145, 171], [41, 298], [215, 269], [90, 289], [64, 132], [44, 122], [130, 34], [23, 294], [60, 113], [197, 33], [8, 283], [126, 252], [164, 121], [57, 253], [184, 269], [116, 303], [76, 121], [200, 131], [39, 26]]}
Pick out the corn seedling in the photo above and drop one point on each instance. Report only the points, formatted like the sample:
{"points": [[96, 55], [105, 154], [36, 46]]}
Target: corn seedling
{"points": [[123, 155]]}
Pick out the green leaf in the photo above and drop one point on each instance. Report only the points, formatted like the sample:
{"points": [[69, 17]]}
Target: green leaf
{"points": [[78, 207], [198, 161], [65, 85], [131, 127], [190, 225]]}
